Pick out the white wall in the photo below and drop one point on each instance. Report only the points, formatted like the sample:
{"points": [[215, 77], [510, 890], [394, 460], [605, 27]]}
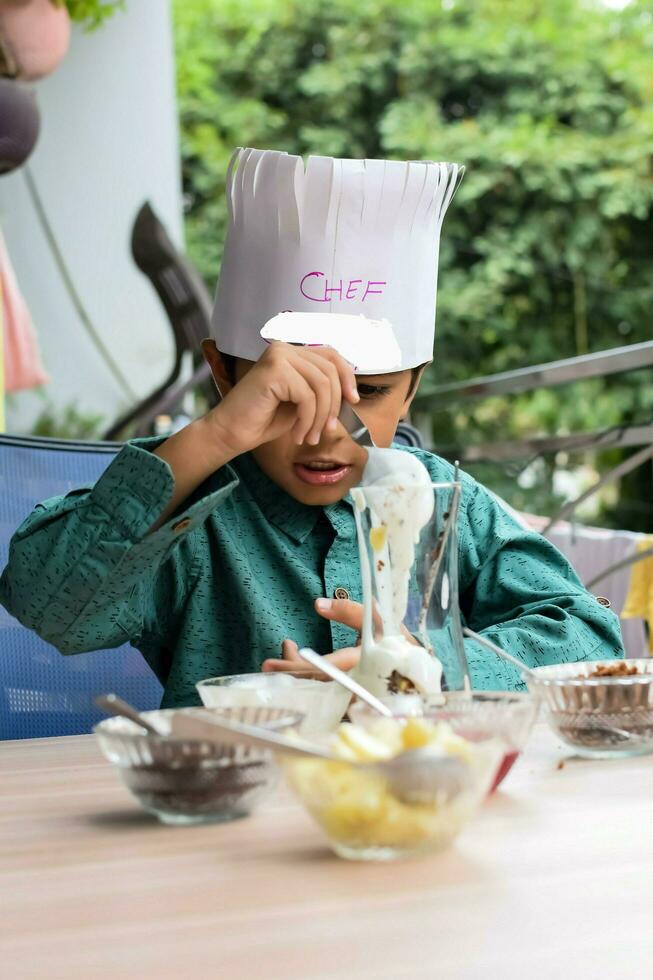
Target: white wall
{"points": [[108, 141]]}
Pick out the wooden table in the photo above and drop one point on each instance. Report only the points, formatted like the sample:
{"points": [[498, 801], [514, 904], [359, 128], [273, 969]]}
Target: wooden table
{"points": [[552, 880]]}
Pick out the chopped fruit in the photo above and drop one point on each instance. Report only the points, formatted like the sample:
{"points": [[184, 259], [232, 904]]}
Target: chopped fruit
{"points": [[416, 733], [378, 537], [387, 737], [357, 806], [365, 747]]}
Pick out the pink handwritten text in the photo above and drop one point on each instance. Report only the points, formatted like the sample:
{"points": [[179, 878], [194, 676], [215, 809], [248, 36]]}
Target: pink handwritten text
{"points": [[318, 288]]}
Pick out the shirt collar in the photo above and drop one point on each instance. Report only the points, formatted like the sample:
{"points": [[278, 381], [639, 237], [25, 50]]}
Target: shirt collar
{"points": [[295, 519]]}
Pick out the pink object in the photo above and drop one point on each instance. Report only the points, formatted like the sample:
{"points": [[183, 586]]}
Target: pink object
{"points": [[23, 367], [36, 34], [506, 765]]}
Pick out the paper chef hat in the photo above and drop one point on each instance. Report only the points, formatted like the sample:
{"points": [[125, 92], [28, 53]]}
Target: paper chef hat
{"points": [[353, 237]]}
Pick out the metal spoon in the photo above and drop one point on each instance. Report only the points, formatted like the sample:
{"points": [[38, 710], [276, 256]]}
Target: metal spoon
{"points": [[114, 705], [342, 678], [416, 776], [213, 728], [357, 430], [508, 657]]}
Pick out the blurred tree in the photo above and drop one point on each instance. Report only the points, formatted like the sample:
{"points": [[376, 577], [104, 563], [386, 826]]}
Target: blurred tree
{"points": [[548, 249], [91, 13]]}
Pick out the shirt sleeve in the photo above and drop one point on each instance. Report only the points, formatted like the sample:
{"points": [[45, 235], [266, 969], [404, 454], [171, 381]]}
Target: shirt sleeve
{"points": [[518, 590], [85, 573]]}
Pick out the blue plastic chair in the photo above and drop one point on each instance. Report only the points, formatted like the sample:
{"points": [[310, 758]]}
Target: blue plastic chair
{"points": [[42, 692]]}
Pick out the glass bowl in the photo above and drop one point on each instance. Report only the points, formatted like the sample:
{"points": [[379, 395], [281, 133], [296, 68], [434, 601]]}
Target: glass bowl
{"points": [[583, 710], [188, 781], [322, 703], [509, 715], [365, 820]]}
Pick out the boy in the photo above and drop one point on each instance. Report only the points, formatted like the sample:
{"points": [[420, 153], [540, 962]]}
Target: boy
{"points": [[221, 549]]}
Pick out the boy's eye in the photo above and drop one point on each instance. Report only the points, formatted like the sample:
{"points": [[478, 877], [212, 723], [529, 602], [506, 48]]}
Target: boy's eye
{"points": [[373, 391]]}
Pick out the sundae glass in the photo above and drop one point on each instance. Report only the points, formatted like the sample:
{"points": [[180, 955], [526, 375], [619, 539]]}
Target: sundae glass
{"points": [[412, 640]]}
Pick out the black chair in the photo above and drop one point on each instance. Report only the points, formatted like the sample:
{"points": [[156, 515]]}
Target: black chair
{"points": [[187, 303]]}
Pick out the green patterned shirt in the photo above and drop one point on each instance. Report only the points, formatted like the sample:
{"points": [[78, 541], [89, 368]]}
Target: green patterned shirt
{"points": [[218, 587]]}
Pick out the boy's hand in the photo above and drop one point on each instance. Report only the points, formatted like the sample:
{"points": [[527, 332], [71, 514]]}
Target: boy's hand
{"points": [[344, 659], [290, 388], [344, 611]]}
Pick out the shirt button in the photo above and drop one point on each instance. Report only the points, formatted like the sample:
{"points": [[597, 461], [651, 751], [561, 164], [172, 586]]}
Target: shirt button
{"points": [[603, 601], [181, 525], [340, 593]]}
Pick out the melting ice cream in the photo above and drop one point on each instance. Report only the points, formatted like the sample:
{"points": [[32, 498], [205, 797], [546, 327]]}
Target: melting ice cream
{"points": [[396, 487]]}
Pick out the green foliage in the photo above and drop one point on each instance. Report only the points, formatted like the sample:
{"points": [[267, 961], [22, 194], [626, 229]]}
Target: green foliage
{"points": [[92, 13], [547, 251], [68, 423]]}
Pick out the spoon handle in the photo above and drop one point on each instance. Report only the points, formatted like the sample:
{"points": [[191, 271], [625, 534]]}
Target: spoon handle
{"points": [[114, 705], [499, 652], [313, 658], [210, 727]]}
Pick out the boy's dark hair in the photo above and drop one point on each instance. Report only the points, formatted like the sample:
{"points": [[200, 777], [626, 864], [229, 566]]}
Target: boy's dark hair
{"points": [[414, 377], [229, 361]]}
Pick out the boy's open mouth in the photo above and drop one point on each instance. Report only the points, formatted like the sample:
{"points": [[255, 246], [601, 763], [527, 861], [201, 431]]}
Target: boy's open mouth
{"points": [[321, 471]]}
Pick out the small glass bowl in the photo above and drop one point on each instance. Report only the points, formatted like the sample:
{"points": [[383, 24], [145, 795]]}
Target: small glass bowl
{"points": [[189, 781], [584, 711], [509, 715], [365, 821], [322, 703]]}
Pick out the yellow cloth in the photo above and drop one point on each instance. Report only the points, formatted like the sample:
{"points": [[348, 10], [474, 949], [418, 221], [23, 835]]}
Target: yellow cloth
{"points": [[639, 601]]}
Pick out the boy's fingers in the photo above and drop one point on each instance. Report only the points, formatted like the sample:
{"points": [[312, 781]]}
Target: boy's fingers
{"points": [[348, 380], [290, 651], [345, 659], [314, 380], [345, 371], [272, 666], [314, 403], [290, 660], [344, 611], [287, 666], [347, 612], [323, 379], [328, 367], [302, 395]]}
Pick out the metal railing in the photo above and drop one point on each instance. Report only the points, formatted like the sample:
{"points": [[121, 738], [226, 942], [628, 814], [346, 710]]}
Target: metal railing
{"points": [[600, 365]]}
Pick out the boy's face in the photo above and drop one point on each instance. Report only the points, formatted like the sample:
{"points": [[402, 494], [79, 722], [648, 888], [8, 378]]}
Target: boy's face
{"points": [[325, 473]]}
